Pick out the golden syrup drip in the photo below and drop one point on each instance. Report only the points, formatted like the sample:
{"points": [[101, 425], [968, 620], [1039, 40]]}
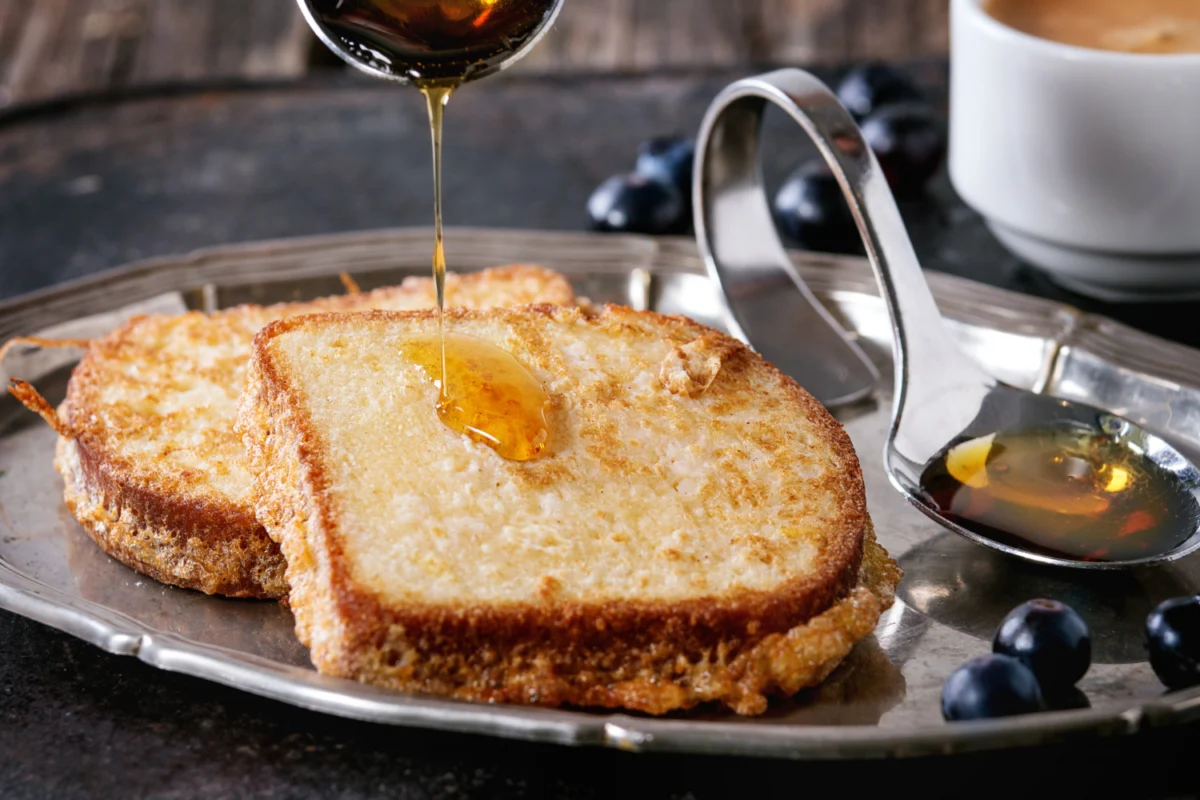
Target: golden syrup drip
{"points": [[487, 394], [484, 392], [1061, 490], [436, 98]]}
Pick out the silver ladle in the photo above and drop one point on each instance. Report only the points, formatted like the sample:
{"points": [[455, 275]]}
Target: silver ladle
{"points": [[942, 397], [378, 64]]}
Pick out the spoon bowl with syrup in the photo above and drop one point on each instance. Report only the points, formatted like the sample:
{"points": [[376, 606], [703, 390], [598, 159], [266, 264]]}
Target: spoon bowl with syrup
{"points": [[430, 41], [1044, 479], [1058, 482]]}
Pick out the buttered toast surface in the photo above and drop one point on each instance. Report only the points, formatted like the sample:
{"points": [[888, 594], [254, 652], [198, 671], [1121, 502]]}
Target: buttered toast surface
{"points": [[695, 529], [152, 467]]}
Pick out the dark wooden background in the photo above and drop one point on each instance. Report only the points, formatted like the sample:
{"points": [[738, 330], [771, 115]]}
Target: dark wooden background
{"points": [[50, 48]]}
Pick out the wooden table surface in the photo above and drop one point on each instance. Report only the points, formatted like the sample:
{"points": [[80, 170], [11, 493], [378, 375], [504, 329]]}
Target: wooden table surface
{"points": [[52, 48]]}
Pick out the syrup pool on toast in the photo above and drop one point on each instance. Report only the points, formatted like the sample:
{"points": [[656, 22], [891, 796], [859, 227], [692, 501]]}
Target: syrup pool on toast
{"points": [[485, 393]]}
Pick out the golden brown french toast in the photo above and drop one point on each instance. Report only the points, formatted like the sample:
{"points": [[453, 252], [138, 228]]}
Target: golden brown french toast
{"points": [[152, 467], [695, 530]]}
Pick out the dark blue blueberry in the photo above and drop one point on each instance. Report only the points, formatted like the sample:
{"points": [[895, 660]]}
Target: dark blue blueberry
{"points": [[811, 209], [910, 142], [669, 159], [1050, 638], [1173, 637], [636, 204], [870, 87], [988, 687]]}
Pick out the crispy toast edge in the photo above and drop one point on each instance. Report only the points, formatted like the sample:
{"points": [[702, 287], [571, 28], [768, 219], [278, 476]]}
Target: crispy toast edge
{"points": [[213, 549]]}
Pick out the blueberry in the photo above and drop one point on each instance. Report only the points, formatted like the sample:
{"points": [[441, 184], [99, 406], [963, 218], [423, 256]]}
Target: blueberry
{"points": [[910, 142], [811, 208], [1048, 637], [669, 159], [1173, 636], [869, 87], [990, 686], [636, 204]]}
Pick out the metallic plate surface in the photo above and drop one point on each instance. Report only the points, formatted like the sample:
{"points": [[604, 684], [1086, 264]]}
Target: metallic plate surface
{"points": [[882, 702]]}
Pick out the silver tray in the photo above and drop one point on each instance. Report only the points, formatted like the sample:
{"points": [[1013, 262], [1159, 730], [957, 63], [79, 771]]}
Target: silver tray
{"points": [[882, 702]]}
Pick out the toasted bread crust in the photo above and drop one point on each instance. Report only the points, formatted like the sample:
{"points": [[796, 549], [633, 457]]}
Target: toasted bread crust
{"points": [[735, 647], [167, 521], [213, 550]]}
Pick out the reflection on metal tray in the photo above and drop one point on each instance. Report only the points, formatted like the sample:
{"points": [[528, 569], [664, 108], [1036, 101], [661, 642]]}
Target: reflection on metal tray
{"points": [[882, 701]]}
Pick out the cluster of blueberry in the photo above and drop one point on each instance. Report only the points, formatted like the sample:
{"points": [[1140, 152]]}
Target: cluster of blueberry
{"points": [[1044, 647], [905, 132], [908, 138], [656, 198]]}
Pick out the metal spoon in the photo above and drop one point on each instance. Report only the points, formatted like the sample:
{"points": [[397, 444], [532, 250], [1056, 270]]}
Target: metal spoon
{"points": [[942, 397], [381, 65]]}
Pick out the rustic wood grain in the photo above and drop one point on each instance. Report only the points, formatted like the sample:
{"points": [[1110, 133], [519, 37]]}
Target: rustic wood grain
{"points": [[50, 48], [647, 35], [175, 43]]}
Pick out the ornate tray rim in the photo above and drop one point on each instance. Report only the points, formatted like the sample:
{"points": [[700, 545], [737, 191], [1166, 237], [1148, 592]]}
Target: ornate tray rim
{"points": [[195, 273]]}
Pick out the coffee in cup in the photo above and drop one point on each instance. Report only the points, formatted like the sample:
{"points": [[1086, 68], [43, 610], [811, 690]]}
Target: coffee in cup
{"points": [[1082, 156], [1128, 26]]}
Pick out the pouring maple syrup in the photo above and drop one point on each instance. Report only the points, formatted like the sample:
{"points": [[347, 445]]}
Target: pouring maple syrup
{"points": [[484, 391], [1063, 490]]}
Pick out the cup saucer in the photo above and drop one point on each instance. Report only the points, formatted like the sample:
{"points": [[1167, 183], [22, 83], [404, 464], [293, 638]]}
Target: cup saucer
{"points": [[1108, 276]]}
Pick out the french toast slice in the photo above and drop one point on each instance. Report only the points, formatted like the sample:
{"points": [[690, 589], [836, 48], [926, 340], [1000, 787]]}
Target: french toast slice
{"points": [[152, 468], [695, 530]]}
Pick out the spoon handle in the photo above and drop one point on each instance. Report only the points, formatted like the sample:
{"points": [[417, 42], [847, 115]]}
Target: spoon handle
{"points": [[729, 195], [767, 303]]}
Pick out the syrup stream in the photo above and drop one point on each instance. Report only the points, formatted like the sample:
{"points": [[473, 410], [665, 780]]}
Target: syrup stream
{"points": [[436, 98]]}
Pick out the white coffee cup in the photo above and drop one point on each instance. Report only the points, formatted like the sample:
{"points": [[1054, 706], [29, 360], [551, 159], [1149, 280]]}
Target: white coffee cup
{"points": [[1083, 162]]}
